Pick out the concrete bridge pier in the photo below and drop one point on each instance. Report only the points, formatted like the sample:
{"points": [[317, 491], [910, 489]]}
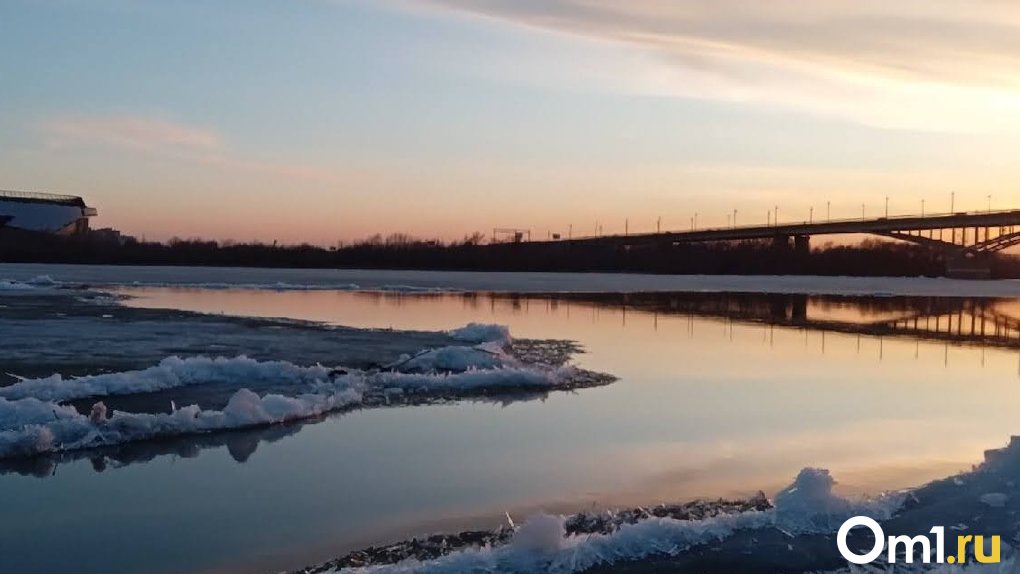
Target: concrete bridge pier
{"points": [[781, 242], [788, 308], [802, 244]]}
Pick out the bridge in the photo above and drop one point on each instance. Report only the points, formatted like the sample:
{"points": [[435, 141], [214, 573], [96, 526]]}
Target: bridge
{"points": [[964, 237]]}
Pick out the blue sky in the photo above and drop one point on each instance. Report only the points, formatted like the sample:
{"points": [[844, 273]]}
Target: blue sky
{"points": [[319, 121]]}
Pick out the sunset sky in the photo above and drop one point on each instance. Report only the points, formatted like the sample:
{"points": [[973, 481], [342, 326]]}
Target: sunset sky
{"points": [[319, 121]]}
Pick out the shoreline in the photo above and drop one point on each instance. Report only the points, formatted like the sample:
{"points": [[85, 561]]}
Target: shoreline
{"points": [[505, 282]]}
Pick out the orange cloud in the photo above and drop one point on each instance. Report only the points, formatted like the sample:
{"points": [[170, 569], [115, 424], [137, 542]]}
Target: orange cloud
{"points": [[130, 132], [167, 139]]}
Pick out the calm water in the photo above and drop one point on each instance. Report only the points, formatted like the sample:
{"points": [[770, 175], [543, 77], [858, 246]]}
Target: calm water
{"points": [[718, 396]]}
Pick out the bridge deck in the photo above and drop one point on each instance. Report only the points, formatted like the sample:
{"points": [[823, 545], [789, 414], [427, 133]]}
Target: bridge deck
{"points": [[881, 225]]}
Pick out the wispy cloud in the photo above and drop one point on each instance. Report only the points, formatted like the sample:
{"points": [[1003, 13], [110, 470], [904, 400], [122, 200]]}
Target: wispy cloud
{"points": [[936, 64], [166, 139], [133, 133]]}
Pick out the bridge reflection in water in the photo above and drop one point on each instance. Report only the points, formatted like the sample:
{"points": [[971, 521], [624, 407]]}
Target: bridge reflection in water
{"points": [[986, 322]]}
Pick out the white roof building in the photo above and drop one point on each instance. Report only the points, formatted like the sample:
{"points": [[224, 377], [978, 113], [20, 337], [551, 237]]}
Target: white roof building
{"points": [[44, 212]]}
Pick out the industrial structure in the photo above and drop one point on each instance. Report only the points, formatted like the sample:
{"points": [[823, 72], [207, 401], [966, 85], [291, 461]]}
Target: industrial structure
{"points": [[44, 212]]}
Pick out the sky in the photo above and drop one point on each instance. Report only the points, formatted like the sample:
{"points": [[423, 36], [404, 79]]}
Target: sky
{"points": [[330, 120]]}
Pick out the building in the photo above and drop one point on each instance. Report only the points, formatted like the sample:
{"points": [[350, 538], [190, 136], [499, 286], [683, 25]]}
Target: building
{"points": [[44, 212]]}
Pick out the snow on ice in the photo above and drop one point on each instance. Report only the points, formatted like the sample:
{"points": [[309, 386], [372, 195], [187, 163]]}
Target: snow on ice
{"points": [[482, 333], [37, 282], [542, 544], [33, 419], [170, 373]]}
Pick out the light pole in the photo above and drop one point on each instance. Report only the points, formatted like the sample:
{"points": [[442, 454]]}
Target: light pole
{"points": [[658, 225], [828, 211], [768, 219], [887, 207], [862, 212], [695, 220], [734, 218], [922, 207], [989, 203], [952, 202], [811, 214]]}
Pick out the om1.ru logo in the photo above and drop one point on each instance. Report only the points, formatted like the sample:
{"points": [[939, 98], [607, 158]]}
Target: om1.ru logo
{"points": [[910, 544]]}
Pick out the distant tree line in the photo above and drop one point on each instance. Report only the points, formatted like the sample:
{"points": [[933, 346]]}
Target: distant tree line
{"points": [[401, 251]]}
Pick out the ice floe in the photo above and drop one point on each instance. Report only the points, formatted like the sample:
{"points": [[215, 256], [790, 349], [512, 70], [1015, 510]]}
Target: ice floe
{"points": [[543, 543], [30, 426], [170, 373], [34, 420], [482, 333], [37, 282]]}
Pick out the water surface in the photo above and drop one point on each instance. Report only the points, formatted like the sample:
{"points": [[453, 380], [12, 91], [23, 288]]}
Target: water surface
{"points": [[719, 395]]}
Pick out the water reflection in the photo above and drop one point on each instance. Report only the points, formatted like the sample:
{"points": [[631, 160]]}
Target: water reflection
{"points": [[973, 321], [719, 395], [987, 322], [791, 376], [240, 444]]}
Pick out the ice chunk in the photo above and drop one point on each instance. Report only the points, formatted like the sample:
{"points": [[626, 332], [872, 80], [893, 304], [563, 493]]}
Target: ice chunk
{"points": [[37, 282], [994, 499], [810, 493], [39, 424], [542, 534], [482, 333], [30, 426], [98, 413], [457, 359], [170, 373]]}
